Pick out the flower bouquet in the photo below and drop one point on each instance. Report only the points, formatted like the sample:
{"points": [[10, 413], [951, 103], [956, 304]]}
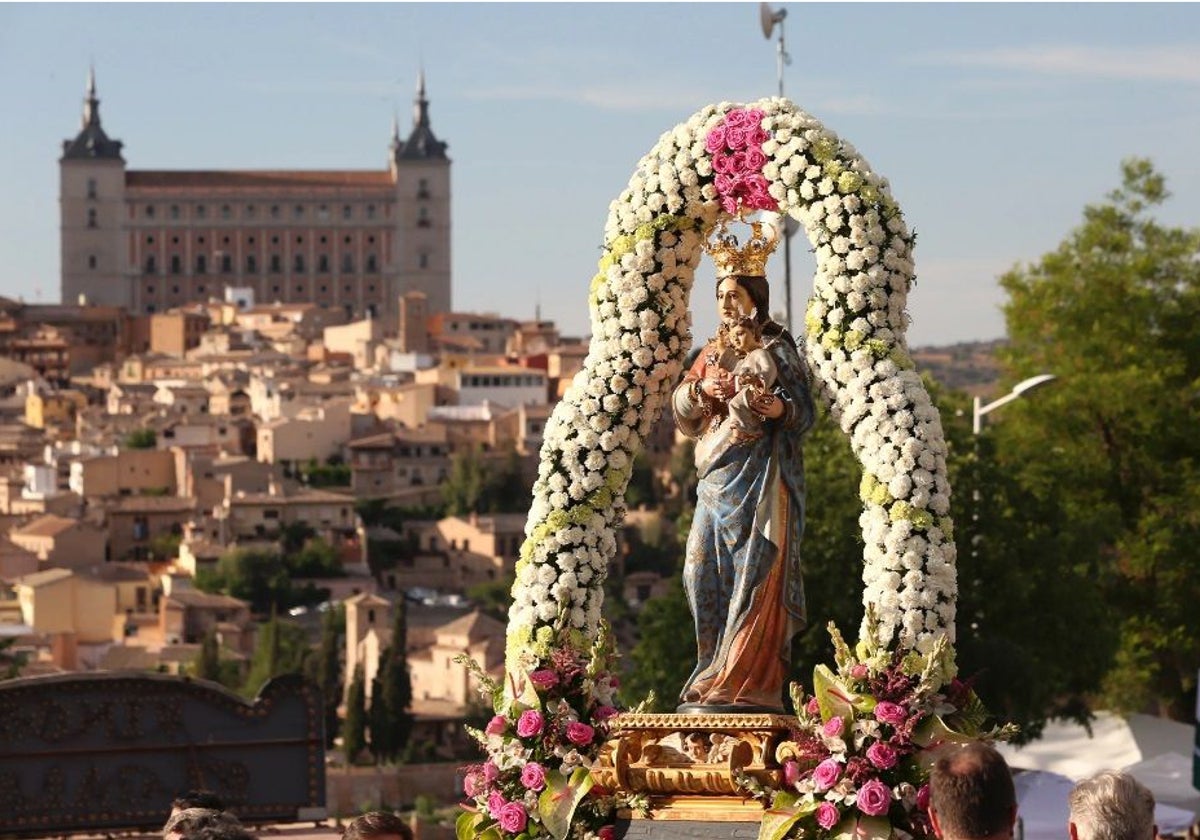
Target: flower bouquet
{"points": [[536, 781], [859, 760]]}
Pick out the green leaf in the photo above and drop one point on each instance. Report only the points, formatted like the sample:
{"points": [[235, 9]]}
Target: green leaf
{"points": [[933, 735], [783, 815], [467, 824], [863, 828], [835, 699], [557, 804]]}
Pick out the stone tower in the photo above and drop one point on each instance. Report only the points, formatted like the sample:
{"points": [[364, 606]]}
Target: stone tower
{"points": [[421, 171], [91, 204]]}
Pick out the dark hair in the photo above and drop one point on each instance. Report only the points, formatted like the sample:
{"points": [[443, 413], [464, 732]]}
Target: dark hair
{"points": [[377, 824], [971, 789], [198, 799], [759, 290], [197, 823]]}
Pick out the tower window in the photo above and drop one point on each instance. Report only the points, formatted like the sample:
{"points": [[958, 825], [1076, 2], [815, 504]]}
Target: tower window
{"points": [[149, 240], [423, 188], [92, 261], [226, 264], [226, 211], [176, 264], [91, 217], [423, 217], [323, 264], [251, 264], [91, 188], [276, 265], [149, 211], [347, 263], [370, 211], [347, 211], [423, 260], [151, 264], [249, 211], [298, 263], [322, 212], [274, 211], [372, 267], [174, 211], [201, 264], [299, 211], [201, 211]]}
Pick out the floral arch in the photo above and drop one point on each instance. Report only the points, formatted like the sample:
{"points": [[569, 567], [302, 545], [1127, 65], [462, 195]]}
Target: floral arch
{"points": [[725, 159]]}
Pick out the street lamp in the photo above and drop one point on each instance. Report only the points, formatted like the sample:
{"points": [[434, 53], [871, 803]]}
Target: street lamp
{"points": [[1019, 390], [768, 18]]}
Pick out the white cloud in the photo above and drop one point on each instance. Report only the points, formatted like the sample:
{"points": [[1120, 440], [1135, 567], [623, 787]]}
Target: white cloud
{"points": [[1150, 63]]}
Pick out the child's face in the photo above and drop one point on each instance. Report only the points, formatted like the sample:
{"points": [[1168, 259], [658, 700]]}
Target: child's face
{"points": [[743, 339]]}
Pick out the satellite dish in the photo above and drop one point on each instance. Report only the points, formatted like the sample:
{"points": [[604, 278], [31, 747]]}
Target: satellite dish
{"points": [[768, 18]]}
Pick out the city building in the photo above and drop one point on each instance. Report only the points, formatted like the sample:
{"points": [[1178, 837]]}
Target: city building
{"points": [[154, 240]]}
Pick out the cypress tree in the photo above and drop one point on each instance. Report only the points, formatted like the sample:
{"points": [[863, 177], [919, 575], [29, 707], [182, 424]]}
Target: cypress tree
{"points": [[354, 735]]}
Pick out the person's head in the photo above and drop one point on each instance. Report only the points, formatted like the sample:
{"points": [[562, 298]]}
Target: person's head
{"points": [[197, 799], [378, 825], [745, 335], [188, 822], [971, 795], [739, 295], [1111, 806]]}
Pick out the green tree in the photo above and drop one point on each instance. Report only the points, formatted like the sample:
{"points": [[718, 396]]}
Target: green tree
{"points": [[493, 597], [253, 575], [207, 665], [354, 729], [11, 662], [1113, 312], [643, 485], [464, 486], [324, 667], [391, 693], [281, 648], [315, 559], [661, 660], [141, 439]]}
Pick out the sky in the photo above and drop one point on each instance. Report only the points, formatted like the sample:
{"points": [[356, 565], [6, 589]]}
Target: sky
{"points": [[995, 123]]}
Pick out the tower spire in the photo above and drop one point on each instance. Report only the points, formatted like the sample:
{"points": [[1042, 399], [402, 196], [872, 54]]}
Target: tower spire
{"points": [[91, 104], [420, 103], [91, 142]]}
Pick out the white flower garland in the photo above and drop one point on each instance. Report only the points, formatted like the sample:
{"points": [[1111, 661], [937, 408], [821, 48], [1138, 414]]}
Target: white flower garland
{"points": [[855, 327]]}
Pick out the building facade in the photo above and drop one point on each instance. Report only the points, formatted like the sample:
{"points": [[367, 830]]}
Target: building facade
{"points": [[357, 240]]}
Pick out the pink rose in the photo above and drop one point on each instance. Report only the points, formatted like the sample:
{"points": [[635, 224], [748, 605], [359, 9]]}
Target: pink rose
{"points": [[754, 159], [530, 723], [490, 772], [473, 785], [580, 734], [859, 671], [496, 725], [737, 163], [760, 136], [603, 713], [826, 774], [892, 713], [512, 817], [923, 798], [828, 815], [715, 141], [723, 183], [881, 755], [543, 679], [729, 204], [813, 706], [614, 682], [735, 137], [874, 798], [754, 116], [608, 832], [791, 772], [735, 118], [496, 803], [720, 164], [533, 776], [833, 727]]}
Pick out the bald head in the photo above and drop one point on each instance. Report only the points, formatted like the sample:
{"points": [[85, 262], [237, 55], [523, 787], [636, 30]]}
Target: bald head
{"points": [[971, 795]]}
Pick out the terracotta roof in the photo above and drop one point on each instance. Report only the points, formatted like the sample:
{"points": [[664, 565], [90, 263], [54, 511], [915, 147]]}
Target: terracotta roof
{"points": [[476, 626], [196, 598], [258, 178], [49, 525]]}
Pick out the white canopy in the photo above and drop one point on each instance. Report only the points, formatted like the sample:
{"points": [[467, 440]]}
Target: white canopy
{"points": [[1155, 751]]}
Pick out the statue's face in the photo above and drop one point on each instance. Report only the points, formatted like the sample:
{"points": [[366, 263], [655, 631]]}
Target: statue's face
{"points": [[733, 301]]}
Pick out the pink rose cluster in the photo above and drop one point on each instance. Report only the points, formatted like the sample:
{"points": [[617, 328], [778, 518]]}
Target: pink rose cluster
{"points": [[738, 160]]}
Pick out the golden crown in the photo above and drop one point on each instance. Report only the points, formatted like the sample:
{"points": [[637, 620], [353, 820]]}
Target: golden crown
{"points": [[750, 259]]}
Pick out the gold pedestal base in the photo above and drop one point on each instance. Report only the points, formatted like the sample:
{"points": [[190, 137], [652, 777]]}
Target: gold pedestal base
{"points": [[685, 764]]}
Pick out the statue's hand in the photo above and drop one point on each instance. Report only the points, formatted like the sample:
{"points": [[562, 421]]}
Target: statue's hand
{"points": [[767, 405], [718, 386]]}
